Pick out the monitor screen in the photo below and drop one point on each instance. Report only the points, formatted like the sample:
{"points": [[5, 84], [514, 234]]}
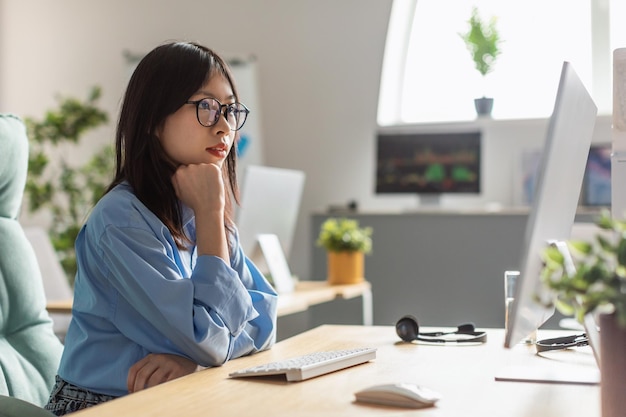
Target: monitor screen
{"points": [[428, 163], [270, 203], [597, 182], [552, 214], [596, 188]]}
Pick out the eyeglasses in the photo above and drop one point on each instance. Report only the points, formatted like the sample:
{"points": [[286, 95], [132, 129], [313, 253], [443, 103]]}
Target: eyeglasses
{"points": [[209, 110]]}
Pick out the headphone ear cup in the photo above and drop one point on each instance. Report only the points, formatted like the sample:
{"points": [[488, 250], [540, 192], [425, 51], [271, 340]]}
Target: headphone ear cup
{"points": [[407, 328], [466, 328]]}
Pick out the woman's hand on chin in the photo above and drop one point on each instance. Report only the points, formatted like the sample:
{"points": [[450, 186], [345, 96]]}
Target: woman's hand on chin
{"points": [[200, 186]]}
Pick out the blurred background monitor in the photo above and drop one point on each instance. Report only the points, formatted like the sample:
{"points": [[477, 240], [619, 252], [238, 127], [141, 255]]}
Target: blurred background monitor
{"points": [[556, 198], [428, 164], [270, 203], [597, 183], [596, 187]]}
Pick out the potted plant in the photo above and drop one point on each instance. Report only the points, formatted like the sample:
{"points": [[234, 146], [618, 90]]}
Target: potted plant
{"points": [[346, 243], [596, 285], [483, 42]]}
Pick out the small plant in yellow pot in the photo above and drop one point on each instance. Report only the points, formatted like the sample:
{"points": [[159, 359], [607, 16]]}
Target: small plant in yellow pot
{"points": [[346, 243]]}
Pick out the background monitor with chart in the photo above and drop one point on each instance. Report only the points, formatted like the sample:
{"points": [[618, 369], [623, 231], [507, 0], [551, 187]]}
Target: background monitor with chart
{"points": [[428, 164]]}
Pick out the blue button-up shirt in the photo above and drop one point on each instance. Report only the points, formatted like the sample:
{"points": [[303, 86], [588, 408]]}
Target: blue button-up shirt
{"points": [[136, 293]]}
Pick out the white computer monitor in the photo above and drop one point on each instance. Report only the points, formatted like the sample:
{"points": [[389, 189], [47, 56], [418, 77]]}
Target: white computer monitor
{"points": [[270, 203], [552, 214]]}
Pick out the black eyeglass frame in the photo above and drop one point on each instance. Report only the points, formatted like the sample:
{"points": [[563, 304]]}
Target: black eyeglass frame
{"points": [[221, 112]]}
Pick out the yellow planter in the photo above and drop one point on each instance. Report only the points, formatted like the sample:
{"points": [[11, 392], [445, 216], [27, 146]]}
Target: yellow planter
{"points": [[345, 267]]}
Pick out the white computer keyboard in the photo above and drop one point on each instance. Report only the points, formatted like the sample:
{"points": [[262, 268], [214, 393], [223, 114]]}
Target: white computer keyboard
{"points": [[310, 365]]}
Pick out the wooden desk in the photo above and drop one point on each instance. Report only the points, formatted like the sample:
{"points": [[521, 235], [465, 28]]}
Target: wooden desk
{"points": [[464, 375], [310, 293], [306, 294], [59, 306]]}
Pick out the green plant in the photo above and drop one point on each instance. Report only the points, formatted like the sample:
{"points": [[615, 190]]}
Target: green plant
{"points": [[482, 41], [345, 235], [67, 191], [598, 283]]}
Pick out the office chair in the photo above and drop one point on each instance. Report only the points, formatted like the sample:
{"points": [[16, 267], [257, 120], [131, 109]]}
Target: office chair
{"points": [[29, 350]]}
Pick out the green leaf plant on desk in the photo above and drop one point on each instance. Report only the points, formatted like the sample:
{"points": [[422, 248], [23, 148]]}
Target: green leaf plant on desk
{"points": [[596, 285], [346, 243], [483, 42]]}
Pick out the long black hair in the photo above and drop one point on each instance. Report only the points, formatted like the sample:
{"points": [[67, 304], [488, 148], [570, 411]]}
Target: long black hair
{"points": [[162, 82]]}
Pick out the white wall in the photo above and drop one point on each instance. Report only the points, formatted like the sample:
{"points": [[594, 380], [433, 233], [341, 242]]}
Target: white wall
{"points": [[319, 64]]}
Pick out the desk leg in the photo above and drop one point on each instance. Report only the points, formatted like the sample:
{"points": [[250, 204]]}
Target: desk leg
{"points": [[368, 308]]}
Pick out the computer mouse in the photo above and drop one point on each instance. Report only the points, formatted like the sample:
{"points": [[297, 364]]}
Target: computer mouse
{"points": [[399, 395]]}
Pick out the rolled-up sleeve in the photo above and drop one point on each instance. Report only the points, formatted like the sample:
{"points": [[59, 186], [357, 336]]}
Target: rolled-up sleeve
{"points": [[218, 312]]}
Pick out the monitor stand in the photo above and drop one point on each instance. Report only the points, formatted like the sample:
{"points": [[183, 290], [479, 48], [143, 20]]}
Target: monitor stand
{"points": [[566, 366], [557, 367], [430, 200]]}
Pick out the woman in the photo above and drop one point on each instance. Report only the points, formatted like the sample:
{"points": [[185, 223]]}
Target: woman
{"points": [[162, 284]]}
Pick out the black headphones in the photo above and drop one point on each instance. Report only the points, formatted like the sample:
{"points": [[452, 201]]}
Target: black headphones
{"points": [[408, 330], [562, 343]]}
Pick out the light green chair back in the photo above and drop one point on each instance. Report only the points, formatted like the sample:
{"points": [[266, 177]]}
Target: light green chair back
{"points": [[29, 350]]}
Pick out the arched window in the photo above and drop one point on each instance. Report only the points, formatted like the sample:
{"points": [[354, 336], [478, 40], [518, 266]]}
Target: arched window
{"points": [[429, 75]]}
